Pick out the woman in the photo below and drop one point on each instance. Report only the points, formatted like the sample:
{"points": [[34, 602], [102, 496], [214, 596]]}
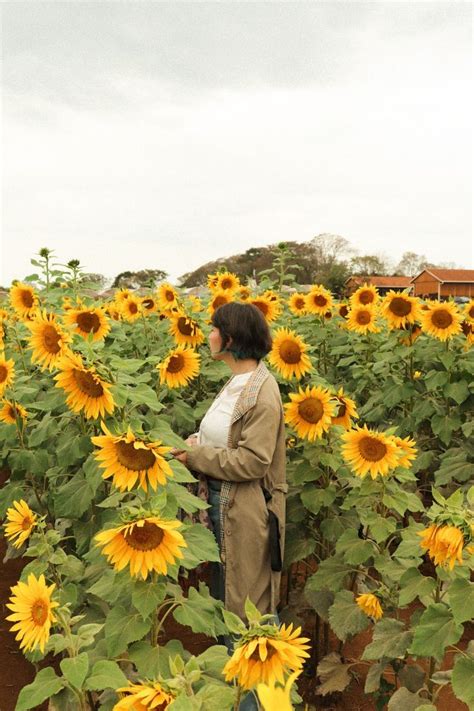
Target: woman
{"points": [[240, 448]]}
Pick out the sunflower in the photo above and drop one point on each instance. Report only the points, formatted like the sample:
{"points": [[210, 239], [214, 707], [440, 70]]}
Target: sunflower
{"points": [[407, 451], [146, 544], [297, 304], [186, 332], [414, 331], [318, 300], [131, 309], [267, 658], [400, 309], [141, 697], [370, 605], [361, 319], [149, 304], [365, 295], [469, 311], [167, 297], [343, 310], [88, 322], [196, 304], [367, 451], [179, 367], [10, 411], [345, 410], [273, 697], [20, 522], [113, 311], [121, 296], [86, 390], [269, 308], [4, 315], [127, 458], [243, 293], [468, 330], [212, 281], [288, 354], [441, 320], [218, 298], [310, 412], [444, 544], [7, 373], [48, 342], [32, 606], [23, 299], [226, 281]]}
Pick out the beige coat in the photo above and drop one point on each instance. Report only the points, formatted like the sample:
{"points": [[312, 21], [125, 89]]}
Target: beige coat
{"points": [[255, 457]]}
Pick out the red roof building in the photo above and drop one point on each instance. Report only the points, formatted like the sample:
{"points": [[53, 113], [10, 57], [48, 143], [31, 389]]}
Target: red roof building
{"points": [[444, 283], [383, 284]]}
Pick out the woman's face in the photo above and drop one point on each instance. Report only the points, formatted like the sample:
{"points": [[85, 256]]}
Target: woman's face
{"points": [[215, 342]]}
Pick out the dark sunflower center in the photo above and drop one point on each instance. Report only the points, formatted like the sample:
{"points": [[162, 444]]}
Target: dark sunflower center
{"points": [[148, 303], [51, 339], [262, 306], [87, 384], [290, 352], [320, 300], [366, 297], [176, 363], [88, 321], [27, 299], [441, 318], [299, 303], [12, 412], [169, 295], [132, 307], [470, 313], [26, 523], [343, 310], [466, 328], [400, 306], [219, 301], [144, 538], [328, 315], [186, 327], [372, 449], [341, 409], [134, 459], [39, 612], [311, 410], [226, 283], [3, 373], [363, 317]]}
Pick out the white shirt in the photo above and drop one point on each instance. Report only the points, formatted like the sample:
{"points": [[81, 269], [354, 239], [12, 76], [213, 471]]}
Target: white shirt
{"points": [[214, 427]]}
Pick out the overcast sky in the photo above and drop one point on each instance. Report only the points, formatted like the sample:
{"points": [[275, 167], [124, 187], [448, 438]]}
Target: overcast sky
{"points": [[167, 134]]}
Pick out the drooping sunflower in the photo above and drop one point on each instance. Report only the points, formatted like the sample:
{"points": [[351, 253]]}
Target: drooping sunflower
{"points": [[85, 389], [20, 522], [48, 341], [414, 331], [468, 330], [131, 309], [89, 321], [226, 281], [310, 412], [269, 308], [273, 697], [167, 297], [297, 304], [218, 298], [145, 545], [318, 300], [185, 330], [288, 354], [10, 411], [127, 458], [32, 607], [441, 320], [179, 367], [407, 451], [362, 319], [369, 452], [370, 605], [345, 410], [266, 658], [443, 543], [366, 295], [24, 300], [7, 373], [469, 311], [400, 309], [149, 304], [144, 696], [244, 293]]}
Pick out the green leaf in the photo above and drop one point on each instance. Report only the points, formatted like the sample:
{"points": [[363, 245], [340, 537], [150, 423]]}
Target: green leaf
{"points": [[201, 612], [404, 700], [463, 674], [435, 631], [461, 599], [355, 550], [345, 616], [75, 669], [233, 623], [334, 675], [444, 426], [390, 640], [413, 585], [46, 684], [457, 391], [146, 658], [202, 546], [122, 628], [320, 600], [147, 595], [74, 498], [143, 394], [297, 548], [314, 498], [372, 681], [106, 674], [215, 696]]}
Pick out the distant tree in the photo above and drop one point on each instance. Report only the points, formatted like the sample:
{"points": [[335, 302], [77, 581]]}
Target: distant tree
{"points": [[94, 280], [141, 278], [369, 265], [411, 264]]}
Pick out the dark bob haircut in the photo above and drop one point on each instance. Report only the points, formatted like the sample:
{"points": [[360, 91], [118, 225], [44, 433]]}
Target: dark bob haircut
{"points": [[247, 327]]}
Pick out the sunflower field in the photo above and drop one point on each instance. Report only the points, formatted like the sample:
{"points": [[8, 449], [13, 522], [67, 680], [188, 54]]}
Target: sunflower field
{"points": [[378, 394]]}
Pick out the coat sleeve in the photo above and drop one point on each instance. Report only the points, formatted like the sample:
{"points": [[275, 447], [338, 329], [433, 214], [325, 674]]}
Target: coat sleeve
{"points": [[253, 454]]}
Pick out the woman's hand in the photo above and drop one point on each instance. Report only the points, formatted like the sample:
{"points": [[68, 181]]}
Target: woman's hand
{"points": [[192, 441], [181, 456]]}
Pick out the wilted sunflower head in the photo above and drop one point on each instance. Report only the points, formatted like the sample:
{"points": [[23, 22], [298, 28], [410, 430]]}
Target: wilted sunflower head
{"points": [[443, 543], [288, 354], [144, 696], [310, 412], [179, 367], [370, 605], [441, 320]]}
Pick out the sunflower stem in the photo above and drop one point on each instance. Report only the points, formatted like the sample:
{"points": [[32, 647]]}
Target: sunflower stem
{"points": [[237, 698]]}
